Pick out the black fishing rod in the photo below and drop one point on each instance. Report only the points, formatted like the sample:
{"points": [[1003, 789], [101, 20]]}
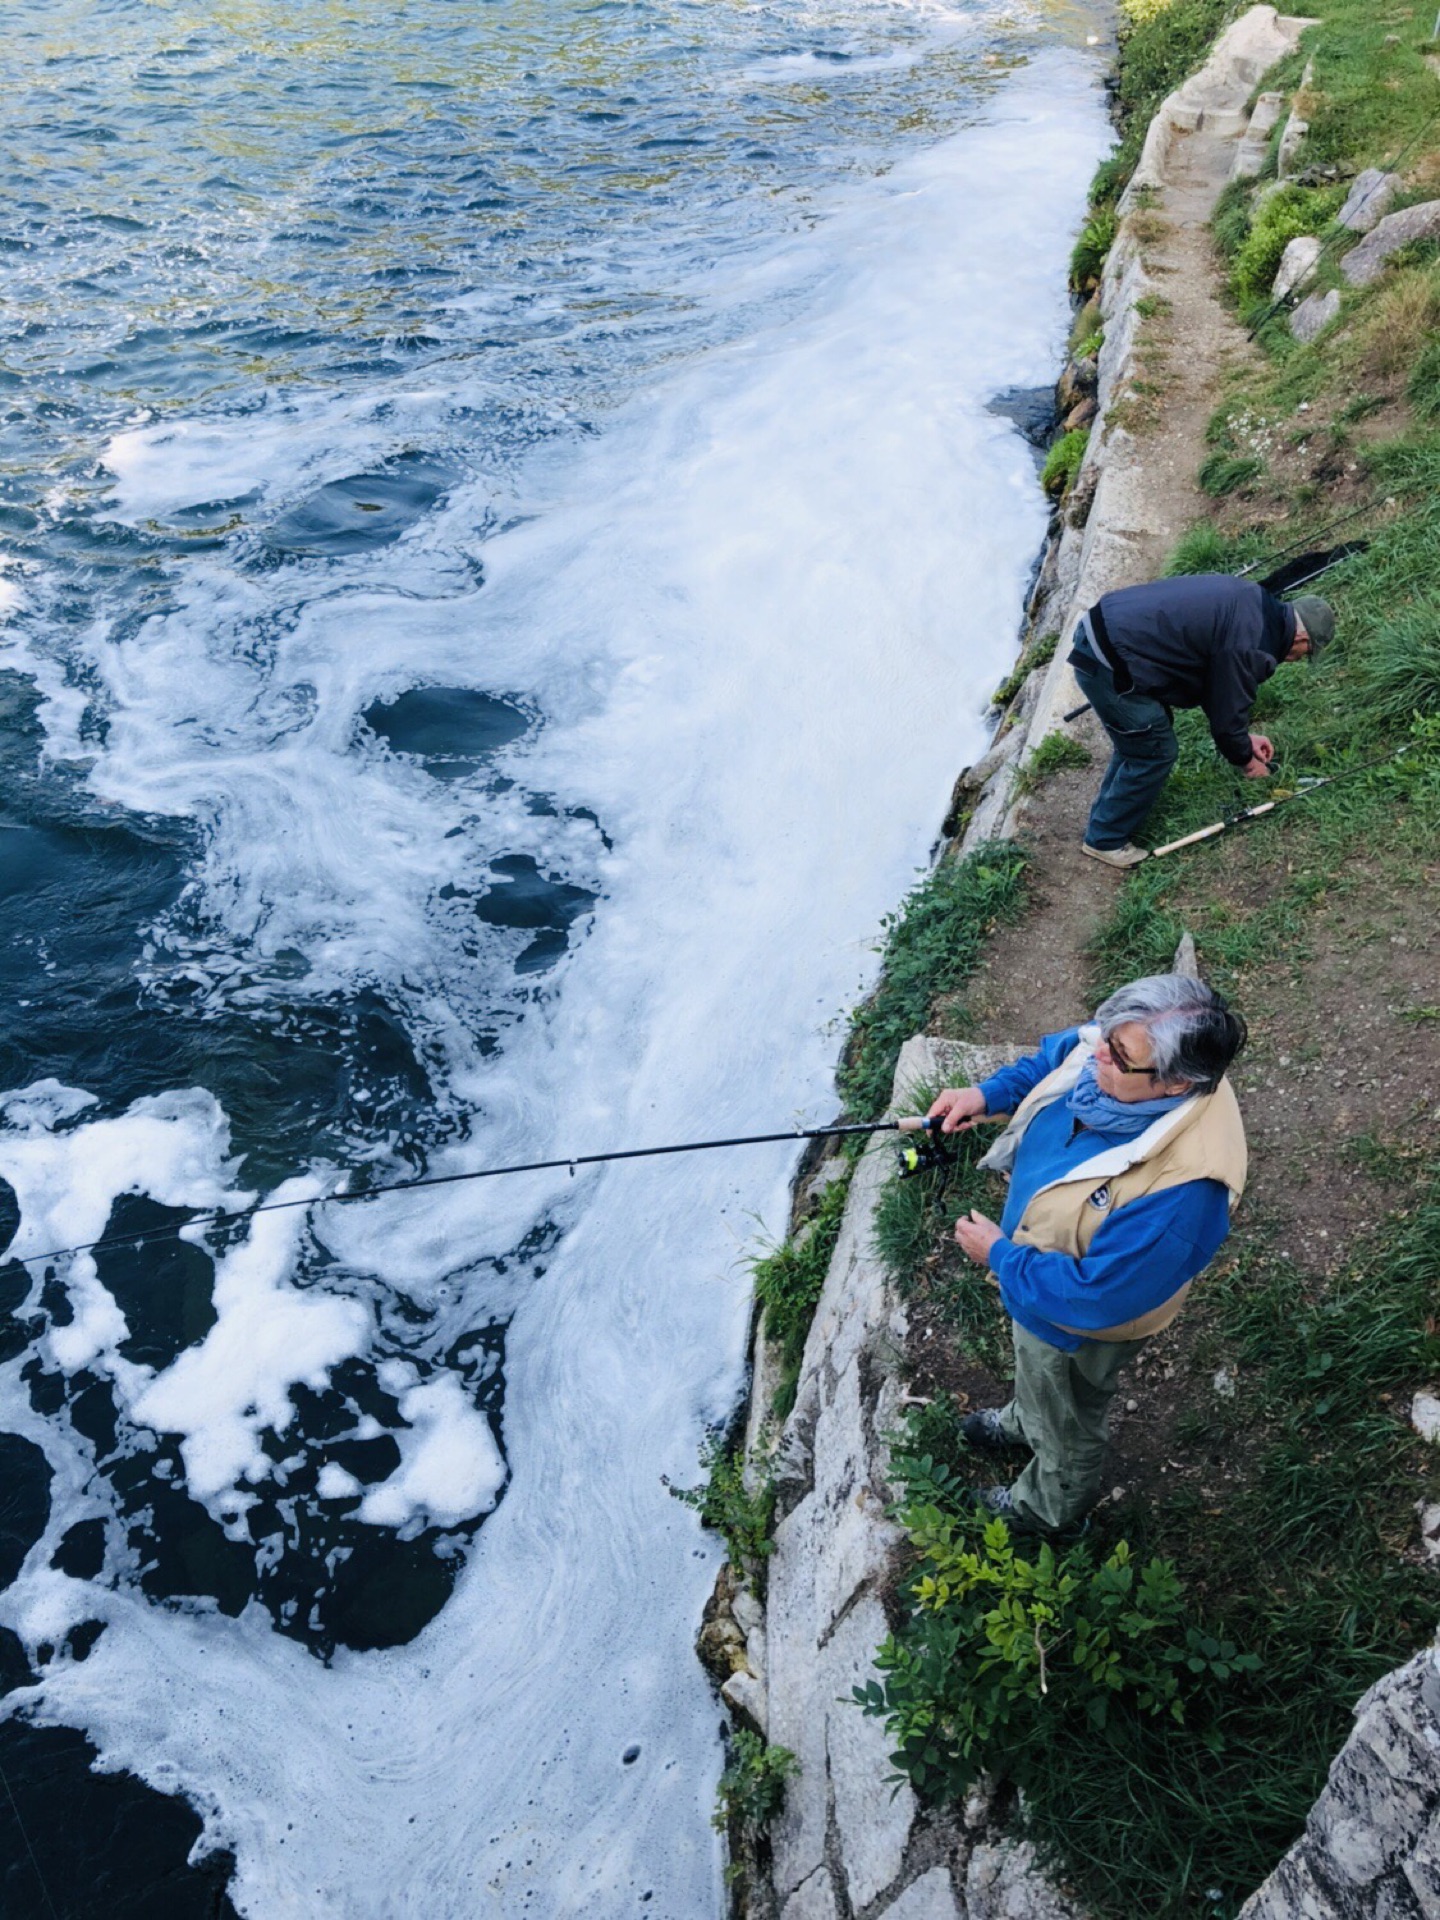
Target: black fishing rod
{"points": [[911, 1124], [1302, 792]]}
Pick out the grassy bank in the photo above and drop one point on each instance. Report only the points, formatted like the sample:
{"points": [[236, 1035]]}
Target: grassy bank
{"points": [[1271, 1473]]}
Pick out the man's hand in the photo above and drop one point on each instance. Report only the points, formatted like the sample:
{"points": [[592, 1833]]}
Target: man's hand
{"points": [[961, 1106], [1262, 748], [1256, 769], [975, 1236]]}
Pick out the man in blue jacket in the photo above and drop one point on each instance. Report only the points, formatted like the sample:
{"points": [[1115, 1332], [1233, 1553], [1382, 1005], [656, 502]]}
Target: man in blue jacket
{"points": [[1200, 640], [1126, 1154]]}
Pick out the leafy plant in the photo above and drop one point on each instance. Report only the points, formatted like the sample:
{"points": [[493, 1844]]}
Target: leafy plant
{"points": [[752, 1788], [1087, 258], [743, 1515], [1288, 213], [1062, 463], [1002, 1649]]}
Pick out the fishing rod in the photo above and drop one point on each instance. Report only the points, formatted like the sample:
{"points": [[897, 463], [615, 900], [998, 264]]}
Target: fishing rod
{"points": [[922, 1155], [1302, 792]]}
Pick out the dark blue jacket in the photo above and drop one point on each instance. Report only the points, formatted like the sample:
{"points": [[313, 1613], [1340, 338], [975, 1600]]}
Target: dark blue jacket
{"points": [[1141, 1255], [1201, 640]]}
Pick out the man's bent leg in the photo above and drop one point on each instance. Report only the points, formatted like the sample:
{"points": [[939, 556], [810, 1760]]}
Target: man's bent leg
{"points": [[1144, 749], [1061, 1405]]}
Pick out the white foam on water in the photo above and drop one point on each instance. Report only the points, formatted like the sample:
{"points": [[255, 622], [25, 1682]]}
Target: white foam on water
{"points": [[761, 614]]}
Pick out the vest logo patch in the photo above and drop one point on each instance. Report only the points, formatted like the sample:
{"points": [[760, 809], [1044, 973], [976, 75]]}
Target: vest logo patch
{"points": [[1100, 1199]]}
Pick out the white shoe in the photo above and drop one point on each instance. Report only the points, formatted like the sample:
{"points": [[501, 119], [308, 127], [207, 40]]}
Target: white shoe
{"points": [[1126, 856]]}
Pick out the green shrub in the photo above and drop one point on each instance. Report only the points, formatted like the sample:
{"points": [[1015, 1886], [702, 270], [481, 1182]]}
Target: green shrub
{"points": [[934, 943], [1002, 1650], [1062, 463], [743, 1517], [1087, 259], [752, 1788], [1400, 676], [1279, 220]]}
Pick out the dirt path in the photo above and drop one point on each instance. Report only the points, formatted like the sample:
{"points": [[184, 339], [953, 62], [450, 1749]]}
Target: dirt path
{"points": [[1037, 977]]}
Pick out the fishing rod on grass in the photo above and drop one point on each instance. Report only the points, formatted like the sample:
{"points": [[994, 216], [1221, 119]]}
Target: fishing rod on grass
{"points": [[1302, 791], [927, 1151]]}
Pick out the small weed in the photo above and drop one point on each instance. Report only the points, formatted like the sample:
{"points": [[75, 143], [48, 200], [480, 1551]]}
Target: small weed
{"points": [[1087, 260], [934, 943], [1226, 473], [1153, 306], [1062, 463], [788, 1283], [1056, 753], [743, 1515], [1038, 654], [752, 1787]]}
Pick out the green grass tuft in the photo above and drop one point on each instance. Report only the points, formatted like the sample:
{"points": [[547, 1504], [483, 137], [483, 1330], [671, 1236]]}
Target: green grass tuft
{"points": [[1062, 463], [934, 944]]}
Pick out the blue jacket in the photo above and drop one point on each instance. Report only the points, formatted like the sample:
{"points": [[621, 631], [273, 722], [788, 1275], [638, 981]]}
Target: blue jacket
{"points": [[1140, 1256]]}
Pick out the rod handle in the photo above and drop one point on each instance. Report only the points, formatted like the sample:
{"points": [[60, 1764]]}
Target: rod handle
{"points": [[1189, 840]]}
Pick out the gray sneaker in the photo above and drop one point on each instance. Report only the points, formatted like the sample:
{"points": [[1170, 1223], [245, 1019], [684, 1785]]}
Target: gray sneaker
{"points": [[1126, 856], [984, 1431], [998, 1503]]}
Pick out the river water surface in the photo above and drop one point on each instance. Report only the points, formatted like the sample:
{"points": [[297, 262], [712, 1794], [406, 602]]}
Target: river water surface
{"points": [[503, 549]]}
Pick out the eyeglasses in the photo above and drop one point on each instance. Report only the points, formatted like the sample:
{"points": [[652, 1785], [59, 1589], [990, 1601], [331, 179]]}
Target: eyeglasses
{"points": [[1122, 1065]]}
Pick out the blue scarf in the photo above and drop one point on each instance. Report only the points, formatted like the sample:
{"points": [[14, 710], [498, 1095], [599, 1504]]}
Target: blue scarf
{"points": [[1103, 1113]]}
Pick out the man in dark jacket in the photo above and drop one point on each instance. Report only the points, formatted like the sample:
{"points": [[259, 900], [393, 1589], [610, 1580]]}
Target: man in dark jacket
{"points": [[1200, 640]]}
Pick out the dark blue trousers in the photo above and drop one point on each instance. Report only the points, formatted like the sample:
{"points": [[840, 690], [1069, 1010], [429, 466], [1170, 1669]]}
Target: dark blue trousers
{"points": [[1144, 749]]}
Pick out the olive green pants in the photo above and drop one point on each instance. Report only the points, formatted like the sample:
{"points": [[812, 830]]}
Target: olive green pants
{"points": [[1061, 1411]]}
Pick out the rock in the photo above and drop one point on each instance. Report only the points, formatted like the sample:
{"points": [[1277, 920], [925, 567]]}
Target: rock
{"points": [[1429, 1528], [1185, 960], [1369, 199], [1224, 1383], [931, 1897], [1314, 314], [1297, 263], [1366, 262], [824, 1177], [1425, 1416], [1004, 1883], [813, 1899], [745, 1697], [721, 1647], [1370, 1844], [1291, 141], [1075, 384], [1080, 415], [748, 1612], [1250, 154]]}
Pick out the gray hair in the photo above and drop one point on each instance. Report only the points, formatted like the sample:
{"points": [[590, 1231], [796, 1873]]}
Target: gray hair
{"points": [[1194, 1031]]}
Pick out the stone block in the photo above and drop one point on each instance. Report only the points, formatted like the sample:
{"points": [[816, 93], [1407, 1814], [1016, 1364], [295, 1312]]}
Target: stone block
{"points": [[745, 1697], [813, 1899], [1366, 262], [1425, 1415], [1291, 141], [872, 1819], [1369, 199], [1255, 142], [1297, 263], [1003, 1882], [931, 1897], [1314, 314]]}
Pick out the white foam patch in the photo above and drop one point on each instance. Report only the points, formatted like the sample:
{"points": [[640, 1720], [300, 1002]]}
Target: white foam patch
{"points": [[450, 1468], [221, 1395], [762, 614]]}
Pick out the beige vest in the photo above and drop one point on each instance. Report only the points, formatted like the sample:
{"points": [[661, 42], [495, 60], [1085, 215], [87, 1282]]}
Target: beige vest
{"points": [[1201, 1139]]}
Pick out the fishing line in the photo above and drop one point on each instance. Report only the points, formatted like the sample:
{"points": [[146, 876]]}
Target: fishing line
{"points": [[24, 1835], [217, 1218], [1269, 806]]}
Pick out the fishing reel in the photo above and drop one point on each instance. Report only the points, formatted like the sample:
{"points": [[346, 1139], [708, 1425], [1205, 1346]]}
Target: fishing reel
{"points": [[923, 1148]]}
